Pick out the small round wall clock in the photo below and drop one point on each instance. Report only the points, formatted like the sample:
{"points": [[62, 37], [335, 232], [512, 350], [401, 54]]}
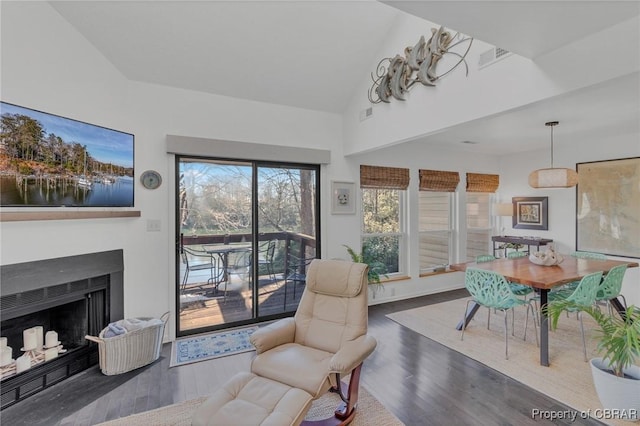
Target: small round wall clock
{"points": [[150, 179]]}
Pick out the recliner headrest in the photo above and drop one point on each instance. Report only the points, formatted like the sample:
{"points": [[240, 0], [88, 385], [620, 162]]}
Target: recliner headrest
{"points": [[336, 277]]}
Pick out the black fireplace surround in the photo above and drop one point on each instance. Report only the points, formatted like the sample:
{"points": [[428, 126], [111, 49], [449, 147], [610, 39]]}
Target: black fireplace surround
{"points": [[75, 296]]}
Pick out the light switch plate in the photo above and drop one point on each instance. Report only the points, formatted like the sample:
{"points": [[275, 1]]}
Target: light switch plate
{"points": [[153, 225]]}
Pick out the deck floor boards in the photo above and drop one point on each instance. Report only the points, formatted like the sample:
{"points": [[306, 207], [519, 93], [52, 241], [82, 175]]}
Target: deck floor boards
{"points": [[237, 305]]}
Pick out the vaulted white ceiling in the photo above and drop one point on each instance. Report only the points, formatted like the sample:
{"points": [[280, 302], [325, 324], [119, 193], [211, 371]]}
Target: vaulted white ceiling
{"points": [[528, 28], [306, 54], [312, 54]]}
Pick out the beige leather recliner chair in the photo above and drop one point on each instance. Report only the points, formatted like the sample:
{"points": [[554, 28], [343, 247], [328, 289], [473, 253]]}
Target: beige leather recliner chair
{"points": [[325, 340]]}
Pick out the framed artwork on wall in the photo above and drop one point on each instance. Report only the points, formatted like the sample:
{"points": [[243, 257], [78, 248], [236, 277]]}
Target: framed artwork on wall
{"points": [[68, 163], [343, 197], [607, 205], [530, 213]]}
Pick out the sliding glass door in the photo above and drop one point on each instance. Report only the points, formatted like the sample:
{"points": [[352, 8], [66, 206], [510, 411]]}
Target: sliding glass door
{"points": [[287, 222], [245, 234]]}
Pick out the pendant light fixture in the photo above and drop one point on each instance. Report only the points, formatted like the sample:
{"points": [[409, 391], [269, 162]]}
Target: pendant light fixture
{"points": [[553, 177]]}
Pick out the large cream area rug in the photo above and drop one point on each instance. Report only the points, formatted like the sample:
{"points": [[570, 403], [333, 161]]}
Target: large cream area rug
{"points": [[370, 412], [568, 378]]}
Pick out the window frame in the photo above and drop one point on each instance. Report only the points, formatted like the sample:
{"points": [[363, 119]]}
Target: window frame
{"points": [[452, 232], [401, 234], [489, 229]]}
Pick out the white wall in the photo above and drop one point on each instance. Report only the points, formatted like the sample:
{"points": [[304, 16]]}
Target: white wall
{"points": [[507, 84], [514, 171], [47, 65], [415, 156]]}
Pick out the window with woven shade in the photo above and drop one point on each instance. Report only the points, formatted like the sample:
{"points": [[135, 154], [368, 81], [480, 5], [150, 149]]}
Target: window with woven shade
{"points": [[479, 226], [383, 216], [438, 180], [480, 189], [481, 182], [436, 201], [380, 177]]}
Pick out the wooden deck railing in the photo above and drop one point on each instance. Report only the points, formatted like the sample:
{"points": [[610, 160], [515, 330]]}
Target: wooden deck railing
{"points": [[300, 246]]}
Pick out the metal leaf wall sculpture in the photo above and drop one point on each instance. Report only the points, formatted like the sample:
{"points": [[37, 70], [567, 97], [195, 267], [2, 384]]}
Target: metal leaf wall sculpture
{"points": [[395, 76]]}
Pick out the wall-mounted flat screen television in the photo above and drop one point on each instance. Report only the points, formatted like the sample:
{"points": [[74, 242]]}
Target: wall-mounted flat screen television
{"points": [[53, 161]]}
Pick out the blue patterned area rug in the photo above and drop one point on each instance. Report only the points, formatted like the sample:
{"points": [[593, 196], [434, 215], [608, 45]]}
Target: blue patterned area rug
{"points": [[208, 346]]}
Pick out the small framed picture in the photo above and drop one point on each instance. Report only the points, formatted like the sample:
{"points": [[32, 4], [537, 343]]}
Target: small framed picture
{"points": [[343, 197], [530, 213]]}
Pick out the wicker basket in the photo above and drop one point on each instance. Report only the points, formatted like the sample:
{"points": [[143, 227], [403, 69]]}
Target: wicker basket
{"points": [[131, 350]]}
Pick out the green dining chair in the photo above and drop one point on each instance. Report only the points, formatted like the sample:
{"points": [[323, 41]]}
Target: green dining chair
{"points": [[519, 289], [570, 287], [588, 255], [485, 258], [583, 296], [492, 290], [516, 254], [611, 286]]}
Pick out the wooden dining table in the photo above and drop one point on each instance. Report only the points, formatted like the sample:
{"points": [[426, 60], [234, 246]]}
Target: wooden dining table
{"points": [[542, 279]]}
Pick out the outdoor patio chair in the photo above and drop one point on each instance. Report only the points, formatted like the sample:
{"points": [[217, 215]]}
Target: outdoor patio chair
{"points": [[266, 252], [239, 265], [199, 260], [296, 274]]}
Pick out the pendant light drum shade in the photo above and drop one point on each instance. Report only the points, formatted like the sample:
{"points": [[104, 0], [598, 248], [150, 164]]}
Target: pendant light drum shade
{"points": [[554, 177]]}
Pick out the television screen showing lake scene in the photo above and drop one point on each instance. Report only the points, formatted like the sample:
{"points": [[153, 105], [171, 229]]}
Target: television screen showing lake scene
{"points": [[48, 160]]}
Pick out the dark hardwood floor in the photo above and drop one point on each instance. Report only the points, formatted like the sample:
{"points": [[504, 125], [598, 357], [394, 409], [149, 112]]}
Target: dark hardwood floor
{"points": [[419, 380]]}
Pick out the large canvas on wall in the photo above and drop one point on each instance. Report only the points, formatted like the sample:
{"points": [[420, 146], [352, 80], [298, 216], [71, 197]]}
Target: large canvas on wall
{"points": [[48, 160], [608, 207]]}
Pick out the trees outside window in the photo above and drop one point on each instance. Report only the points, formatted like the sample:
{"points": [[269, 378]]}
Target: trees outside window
{"points": [[230, 210], [383, 228]]}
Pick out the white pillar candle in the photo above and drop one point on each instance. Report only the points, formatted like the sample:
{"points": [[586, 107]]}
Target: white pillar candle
{"points": [[3, 342], [23, 363], [51, 339], [50, 354], [29, 339], [39, 336], [5, 356]]}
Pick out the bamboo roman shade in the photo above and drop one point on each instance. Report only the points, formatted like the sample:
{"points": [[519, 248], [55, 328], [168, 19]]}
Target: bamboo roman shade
{"points": [[438, 180], [479, 182], [384, 177]]}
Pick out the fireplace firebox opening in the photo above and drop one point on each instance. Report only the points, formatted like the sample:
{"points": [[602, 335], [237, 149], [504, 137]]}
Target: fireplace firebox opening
{"points": [[84, 304]]}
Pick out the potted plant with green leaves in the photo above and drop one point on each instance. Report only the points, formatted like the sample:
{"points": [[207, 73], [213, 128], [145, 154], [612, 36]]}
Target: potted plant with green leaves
{"points": [[616, 375], [376, 268]]}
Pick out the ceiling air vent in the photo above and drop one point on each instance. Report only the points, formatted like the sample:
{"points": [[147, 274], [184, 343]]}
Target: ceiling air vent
{"points": [[492, 56]]}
